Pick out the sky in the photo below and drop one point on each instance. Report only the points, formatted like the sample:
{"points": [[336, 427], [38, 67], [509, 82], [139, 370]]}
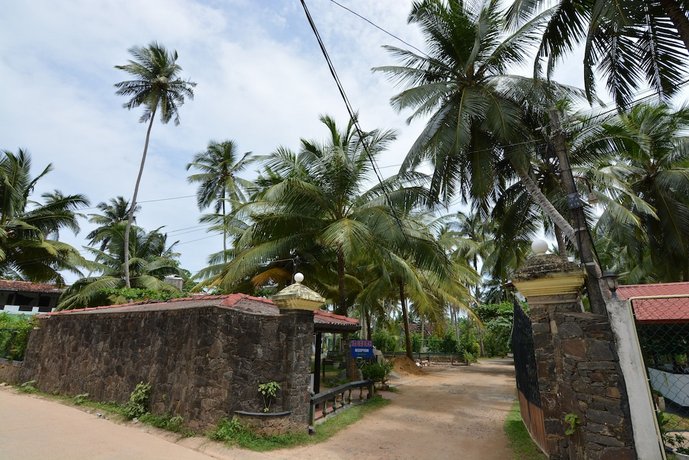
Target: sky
{"points": [[261, 81]]}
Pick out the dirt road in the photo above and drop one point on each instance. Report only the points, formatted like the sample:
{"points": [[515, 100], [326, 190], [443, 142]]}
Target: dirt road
{"points": [[449, 413]]}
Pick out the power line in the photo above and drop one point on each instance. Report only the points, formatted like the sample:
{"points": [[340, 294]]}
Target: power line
{"points": [[379, 27]]}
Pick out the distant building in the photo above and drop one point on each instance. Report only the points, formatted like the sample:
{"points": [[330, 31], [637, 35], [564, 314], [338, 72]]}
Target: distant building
{"points": [[28, 298]]}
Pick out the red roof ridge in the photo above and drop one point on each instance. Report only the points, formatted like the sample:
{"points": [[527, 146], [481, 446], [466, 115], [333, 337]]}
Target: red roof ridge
{"points": [[652, 284], [329, 314]]}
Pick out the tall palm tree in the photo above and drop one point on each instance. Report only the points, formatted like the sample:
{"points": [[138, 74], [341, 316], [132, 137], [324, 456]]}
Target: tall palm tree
{"points": [[478, 113], [475, 108], [112, 213], [314, 209], [646, 171], [219, 184], [156, 87], [630, 42], [29, 245], [151, 260]]}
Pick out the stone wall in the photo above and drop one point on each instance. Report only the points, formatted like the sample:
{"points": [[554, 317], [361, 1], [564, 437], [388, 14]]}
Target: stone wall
{"points": [[577, 364], [9, 371], [579, 374], [203, 363]]}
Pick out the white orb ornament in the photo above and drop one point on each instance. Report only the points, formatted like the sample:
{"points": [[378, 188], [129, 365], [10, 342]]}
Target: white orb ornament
{"points": [[298, 277], [539, 247]]}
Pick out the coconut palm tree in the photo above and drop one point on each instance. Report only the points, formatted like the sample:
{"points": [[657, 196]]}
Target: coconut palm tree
{"points": [[315, 210], [112, 213], [646, 173], [629, 42], [159, 89], [479, 115], [219, 184], [151, 260], [29, 245]]}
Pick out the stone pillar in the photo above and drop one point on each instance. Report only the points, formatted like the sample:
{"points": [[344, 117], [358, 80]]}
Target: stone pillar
{"points": [[578, 368], [297, 327]]}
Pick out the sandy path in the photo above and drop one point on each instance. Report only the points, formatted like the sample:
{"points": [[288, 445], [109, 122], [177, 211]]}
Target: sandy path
{"points": [[450, 413]]}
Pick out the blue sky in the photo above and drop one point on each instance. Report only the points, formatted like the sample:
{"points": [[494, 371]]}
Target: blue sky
{"points": [[261, 82]]}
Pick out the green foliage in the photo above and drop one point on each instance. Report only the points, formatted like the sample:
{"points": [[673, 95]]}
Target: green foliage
{"points": [[520, 441], [121, 295], [80, 399], [138, 401], [572, 422], [385, 341], [416, 342], [14, 335], [268, 391], [232, 432], [468, 346], [497, 327], [174, 423], [377, 371], [28, 387]]}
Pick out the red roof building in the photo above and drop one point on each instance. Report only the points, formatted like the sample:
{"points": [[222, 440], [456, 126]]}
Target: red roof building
{"points": [[658, 303], [26, 297]]}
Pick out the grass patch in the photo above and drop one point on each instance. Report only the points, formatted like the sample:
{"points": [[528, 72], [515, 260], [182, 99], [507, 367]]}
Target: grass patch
{"points": [[676, 422], [523, 447], [174, 423], [233, 433]]}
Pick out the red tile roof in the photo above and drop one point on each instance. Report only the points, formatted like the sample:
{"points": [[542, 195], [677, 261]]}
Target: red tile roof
{"points": [[659, 303], [646, 290], [242, 302], [25, 286]]}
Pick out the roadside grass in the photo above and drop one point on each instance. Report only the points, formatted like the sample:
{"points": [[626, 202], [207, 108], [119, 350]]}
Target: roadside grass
{"points": [[233, 433], [522, 445], [230, 432]]}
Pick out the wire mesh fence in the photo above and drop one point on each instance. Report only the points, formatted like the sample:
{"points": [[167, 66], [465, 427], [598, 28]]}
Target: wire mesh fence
{"points": [[663, 329]]}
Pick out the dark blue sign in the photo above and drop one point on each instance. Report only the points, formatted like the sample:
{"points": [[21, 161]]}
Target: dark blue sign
{"points": [[361, 349]]}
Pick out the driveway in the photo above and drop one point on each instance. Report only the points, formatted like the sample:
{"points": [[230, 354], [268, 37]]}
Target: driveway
{"points": [[448, 413]]}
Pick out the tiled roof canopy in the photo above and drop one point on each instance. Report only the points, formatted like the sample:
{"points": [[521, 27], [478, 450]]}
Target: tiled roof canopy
{"points": [[323, 321], [658, 303], [25, 286]]}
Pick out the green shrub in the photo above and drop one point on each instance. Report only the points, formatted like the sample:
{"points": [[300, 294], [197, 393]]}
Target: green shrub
{"points": [[385, 341], [138, 401], [165, 422], [377, 371], [28, 387], [269, 391], [416, 342], [14, 335]]}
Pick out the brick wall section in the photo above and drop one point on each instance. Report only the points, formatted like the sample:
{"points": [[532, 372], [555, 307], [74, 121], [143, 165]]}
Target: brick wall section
{"points": [[203, 363], [578, 372]]}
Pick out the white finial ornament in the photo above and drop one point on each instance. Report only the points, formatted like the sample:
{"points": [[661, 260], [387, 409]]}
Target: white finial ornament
{"points": [[298, 277], [539, 247]]}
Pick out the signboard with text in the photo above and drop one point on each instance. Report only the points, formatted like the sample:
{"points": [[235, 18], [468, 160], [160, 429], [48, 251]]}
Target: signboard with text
{"points": [[361, 349]]}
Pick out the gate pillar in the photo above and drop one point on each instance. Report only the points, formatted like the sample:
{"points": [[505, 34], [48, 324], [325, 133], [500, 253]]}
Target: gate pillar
{"points": [[582, 390]]}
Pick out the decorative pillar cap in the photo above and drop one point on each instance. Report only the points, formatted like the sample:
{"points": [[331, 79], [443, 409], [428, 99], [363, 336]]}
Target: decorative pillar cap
{"points": [[298, 297], [548, 274]]}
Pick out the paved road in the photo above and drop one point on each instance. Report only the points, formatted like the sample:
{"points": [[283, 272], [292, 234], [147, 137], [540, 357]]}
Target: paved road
{"points": [[450, 413]]}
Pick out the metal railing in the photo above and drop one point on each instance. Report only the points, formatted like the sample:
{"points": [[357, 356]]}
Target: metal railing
{"points": [[329, 401]]}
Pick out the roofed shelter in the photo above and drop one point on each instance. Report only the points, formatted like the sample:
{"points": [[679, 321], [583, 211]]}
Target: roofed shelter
{"points": [[26, 297]]}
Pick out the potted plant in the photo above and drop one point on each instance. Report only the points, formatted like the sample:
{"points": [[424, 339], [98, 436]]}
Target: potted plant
{"points": [[265, 422]]}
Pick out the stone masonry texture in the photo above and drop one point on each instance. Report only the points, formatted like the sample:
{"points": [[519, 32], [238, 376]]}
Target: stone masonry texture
{"points": [[203, 363]]}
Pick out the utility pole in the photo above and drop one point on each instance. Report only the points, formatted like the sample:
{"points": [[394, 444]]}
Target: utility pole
{"points": [[576, 207]]}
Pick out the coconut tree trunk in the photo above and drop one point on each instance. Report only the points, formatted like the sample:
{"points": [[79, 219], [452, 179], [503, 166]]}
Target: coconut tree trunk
{"points": [[405, 319], [561, 244], [342, 300], [678, 18], [130, 214], [224, 230], [542, 201], [583, 237]]}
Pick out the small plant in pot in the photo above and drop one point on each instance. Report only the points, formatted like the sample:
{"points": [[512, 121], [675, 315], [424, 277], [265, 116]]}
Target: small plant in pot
{"points": [[268, 391]]}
